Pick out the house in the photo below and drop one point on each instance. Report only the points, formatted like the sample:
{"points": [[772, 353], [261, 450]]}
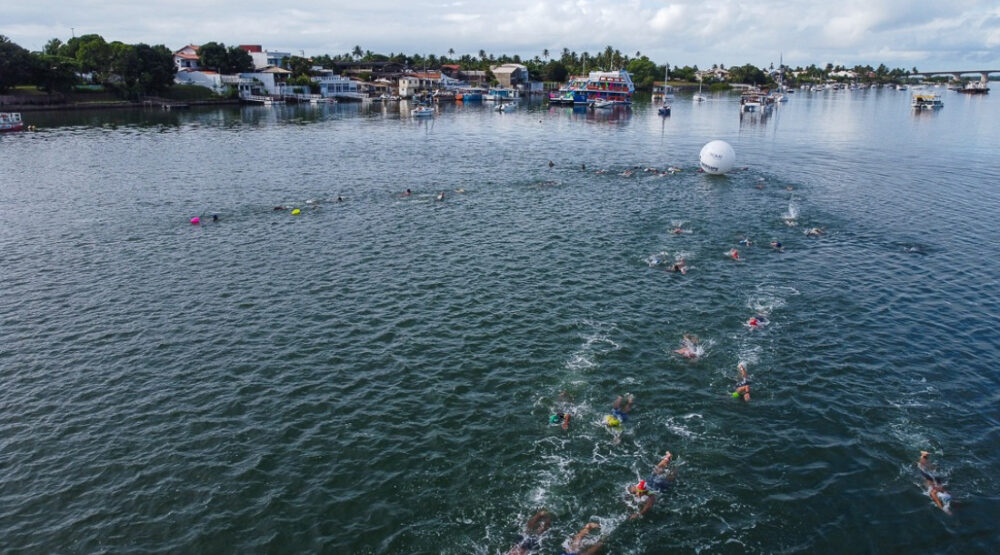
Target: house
{"points": [[511, 75], [270, 81], [414, 83], [257, 54], [714, 74], [201, 78], [473, 76], [451, 70], [332, 85], [187, 57]]}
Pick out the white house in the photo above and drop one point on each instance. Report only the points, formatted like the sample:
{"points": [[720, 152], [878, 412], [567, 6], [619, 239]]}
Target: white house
{"points": [[202, 78], [336, 86], [187, 57], [413, 83]]}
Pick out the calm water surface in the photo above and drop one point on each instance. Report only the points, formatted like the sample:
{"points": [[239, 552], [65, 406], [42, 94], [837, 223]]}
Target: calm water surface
{"points": [[376, 375]]}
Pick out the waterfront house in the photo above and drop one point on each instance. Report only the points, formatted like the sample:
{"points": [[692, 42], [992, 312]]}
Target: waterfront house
{"points": [[187, 57], [201, 78], [257, 54], [332, 85], [510, 76], [415, 83]]}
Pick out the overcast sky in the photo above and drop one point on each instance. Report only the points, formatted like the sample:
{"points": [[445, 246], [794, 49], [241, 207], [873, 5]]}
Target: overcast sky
{"points": [[928, 34]]}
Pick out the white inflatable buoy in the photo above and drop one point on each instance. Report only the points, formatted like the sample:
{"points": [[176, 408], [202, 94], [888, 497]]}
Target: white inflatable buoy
{"points": [[717, 157]]}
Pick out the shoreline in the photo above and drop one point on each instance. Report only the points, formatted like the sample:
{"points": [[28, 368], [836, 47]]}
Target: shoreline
{"points": [[113, 105]]}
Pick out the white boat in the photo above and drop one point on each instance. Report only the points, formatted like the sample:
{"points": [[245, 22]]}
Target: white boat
{"points": [[11, 121], [603, 104], [501, 107], [926, 102], [422, 112], [698, 97]]}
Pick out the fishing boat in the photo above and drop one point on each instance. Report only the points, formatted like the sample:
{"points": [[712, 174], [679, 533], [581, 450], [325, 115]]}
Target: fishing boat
{"points": [[11, 121], [926, 102], [756, 100], [664, 110]]}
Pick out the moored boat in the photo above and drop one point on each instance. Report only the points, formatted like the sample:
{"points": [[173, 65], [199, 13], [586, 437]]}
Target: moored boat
{"points": [[974, 87], [11, 121]]}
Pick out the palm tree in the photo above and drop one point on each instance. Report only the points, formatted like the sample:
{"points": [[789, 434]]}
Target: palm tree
{"points": [[357, 52], [545, 54], [482, 54], [451, 52]]}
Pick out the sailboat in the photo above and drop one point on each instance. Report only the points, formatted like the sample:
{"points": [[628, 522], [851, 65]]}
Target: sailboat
{"points": [[668, 93], [698, 97]]}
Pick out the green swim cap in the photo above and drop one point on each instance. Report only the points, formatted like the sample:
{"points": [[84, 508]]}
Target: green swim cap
{"points": [[736, 395], [554, 418]]}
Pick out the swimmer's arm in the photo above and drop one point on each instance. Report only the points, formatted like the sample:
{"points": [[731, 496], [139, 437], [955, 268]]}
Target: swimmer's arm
{"points": [[578, 538], [645, 508], [664, 462], [937, 500]]}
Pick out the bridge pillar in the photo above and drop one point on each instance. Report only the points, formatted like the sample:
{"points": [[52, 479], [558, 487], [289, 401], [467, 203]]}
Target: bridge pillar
{"points": [[956, 76], [985, 78]]}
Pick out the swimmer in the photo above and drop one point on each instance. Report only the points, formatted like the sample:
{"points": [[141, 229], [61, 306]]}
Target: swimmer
{"points": [[935, 485], [576, 543], [407, 193], [551, 163], [746, 241], [215, 218], [561, 418], [776, 245], [627, 173], [689, 346], [276, 208], [679, 266], [658, 482], [440, 196], [743, 386], [340, 199], [619, 414], [734, 254], [757, 322], [599, 172], [459, 191], [678, 230], [530, 541], [814, 232], [583, 167]]}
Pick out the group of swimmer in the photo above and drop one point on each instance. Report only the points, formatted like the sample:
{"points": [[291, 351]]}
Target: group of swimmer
{"points": [[641, 495]]}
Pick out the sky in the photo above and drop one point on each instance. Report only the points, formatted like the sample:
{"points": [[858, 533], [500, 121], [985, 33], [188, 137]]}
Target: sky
{"points": [[927, 34]]}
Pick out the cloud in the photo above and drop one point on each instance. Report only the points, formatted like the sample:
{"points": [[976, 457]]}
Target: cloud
{"points": [[703, 32]]}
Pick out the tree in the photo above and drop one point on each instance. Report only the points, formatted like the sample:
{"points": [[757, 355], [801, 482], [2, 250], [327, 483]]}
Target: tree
{"points": [[212, 55], [53, 73], [644, 73], [52, 47], [95, 56], [357, 52], [14, 64], [545, 54], [238, 60], [300, 67]]}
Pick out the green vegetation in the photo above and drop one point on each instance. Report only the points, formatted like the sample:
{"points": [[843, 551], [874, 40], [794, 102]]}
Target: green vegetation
{"points": [[129, 70], [133, 70]]}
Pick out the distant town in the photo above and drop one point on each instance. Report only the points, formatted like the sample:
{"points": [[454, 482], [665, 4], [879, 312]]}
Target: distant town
{"points": [[89, 67]]}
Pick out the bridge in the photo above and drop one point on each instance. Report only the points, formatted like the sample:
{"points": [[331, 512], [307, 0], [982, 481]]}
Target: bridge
{"points": [[956, 75]]}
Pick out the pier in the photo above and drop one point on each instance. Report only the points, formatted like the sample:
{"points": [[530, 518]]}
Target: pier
{"points": [[164, 103]]}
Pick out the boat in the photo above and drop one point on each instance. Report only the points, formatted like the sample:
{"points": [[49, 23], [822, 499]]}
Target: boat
{"points": [[668, 92], [497, 94], [11, 121], [610, 86], [422, 112], [501, 107], [756, 100], [975, 87], [698, 97], [925, 101], [664, 110], [603, 104], [472, 94]]}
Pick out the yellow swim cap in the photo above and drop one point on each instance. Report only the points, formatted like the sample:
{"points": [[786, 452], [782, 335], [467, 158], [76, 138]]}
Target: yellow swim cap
{"points": [[612, 421]]}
